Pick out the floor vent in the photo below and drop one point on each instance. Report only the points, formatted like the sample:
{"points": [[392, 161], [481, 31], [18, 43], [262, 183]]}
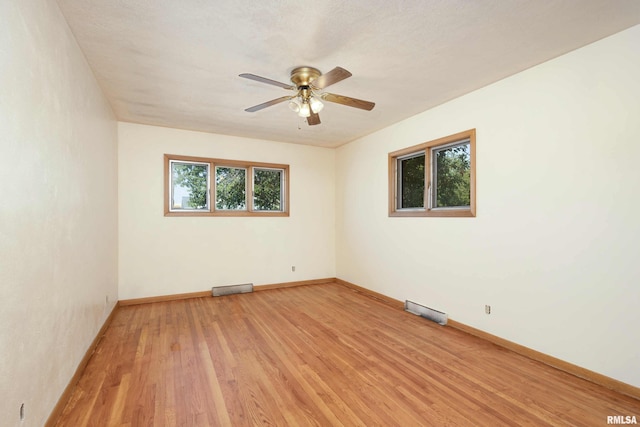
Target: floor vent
{"points": [[426, 312], [218, 291]]}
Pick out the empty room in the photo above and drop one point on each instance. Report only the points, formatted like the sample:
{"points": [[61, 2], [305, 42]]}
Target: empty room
{"points": [[296, 213]]}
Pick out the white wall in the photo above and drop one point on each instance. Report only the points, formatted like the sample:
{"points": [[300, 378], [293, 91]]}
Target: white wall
{"points": [[58, 216], [168, 255], [555, 243]]}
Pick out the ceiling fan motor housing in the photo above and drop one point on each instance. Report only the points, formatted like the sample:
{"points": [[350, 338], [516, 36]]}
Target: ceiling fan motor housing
{"points": [[304, 76]]}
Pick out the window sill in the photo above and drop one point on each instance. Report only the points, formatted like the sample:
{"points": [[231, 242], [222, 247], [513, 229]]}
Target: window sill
{"points": [[228, 214], [461, 213]]}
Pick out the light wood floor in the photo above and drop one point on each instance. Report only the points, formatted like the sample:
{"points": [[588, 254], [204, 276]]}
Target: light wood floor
{"points": [[321, 355]]}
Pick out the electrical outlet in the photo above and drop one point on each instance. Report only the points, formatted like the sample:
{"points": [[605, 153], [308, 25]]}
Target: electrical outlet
{"points": [[487, 309], [293, 268]]}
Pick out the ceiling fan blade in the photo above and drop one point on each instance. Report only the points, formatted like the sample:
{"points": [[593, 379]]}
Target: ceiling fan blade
{"points": [[266, 80], [349, 102], [333, 76], [313, 119], [267, 104]]}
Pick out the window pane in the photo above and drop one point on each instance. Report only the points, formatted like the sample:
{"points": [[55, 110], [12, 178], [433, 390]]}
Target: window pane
{"points": [[411, 182], [452, 176], [231, 188], [189, 186], [267, 189]]}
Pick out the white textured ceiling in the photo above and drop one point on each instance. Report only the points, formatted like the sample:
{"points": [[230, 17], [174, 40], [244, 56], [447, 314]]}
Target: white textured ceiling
{"points": [[175, 63]]}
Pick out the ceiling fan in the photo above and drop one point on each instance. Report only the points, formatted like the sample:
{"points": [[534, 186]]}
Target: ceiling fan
{"points": [[308, 84]]}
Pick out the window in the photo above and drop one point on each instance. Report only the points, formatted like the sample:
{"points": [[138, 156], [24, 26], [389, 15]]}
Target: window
{"points": [[451, 176], [411, 181], [231, 188], [266, 189], [436, 178], [196, 186], [189, 186]]}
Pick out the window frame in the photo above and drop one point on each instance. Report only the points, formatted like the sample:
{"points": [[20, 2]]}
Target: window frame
{"points": [[171, 187], [215, 187], [213, 163], [283, 179], [428, 148], [398, 182]]}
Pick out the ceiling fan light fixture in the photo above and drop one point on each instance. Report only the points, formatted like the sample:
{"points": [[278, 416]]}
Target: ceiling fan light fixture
{"points": [[316, 105], [305, 110], [294, 105], [308, 96]]}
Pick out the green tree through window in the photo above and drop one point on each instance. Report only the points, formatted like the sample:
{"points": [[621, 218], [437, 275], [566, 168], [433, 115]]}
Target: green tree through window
{"points": [[193, 178], [453, 176], [267, 189], [200, 186], [434, 179], [412, 182], [231, 188]]}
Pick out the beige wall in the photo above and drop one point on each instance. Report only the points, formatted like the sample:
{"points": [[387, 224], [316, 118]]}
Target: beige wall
{"points": [[555, 243], [168, 255], [58, 216]]}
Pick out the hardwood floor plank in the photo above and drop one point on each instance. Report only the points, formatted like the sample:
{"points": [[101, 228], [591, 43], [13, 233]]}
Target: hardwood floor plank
{"points": [[319, 355]]}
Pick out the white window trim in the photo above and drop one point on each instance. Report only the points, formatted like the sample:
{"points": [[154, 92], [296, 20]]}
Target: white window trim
{"points": [[431, 196], [171, 187], [282, 187], [398, 174]]}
